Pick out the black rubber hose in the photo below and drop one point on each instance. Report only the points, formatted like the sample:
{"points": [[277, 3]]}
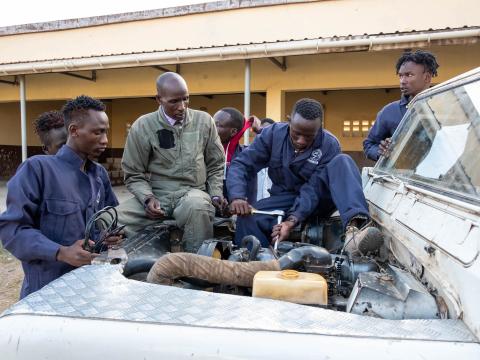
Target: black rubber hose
{"points": [[136, 266], [255, 246], [296, 258]]}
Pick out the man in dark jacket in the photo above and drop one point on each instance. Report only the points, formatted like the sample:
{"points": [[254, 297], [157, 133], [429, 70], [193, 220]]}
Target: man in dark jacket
{"points": [[50, 198], [415, 71], [231, 125], [309, 175]]}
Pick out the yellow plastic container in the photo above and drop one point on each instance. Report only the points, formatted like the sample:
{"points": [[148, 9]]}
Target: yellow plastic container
{"points": [[292, 286]]}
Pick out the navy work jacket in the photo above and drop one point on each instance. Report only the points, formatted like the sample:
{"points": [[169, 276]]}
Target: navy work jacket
{"points": [[385, 125], [48, 202], [290, 174]]}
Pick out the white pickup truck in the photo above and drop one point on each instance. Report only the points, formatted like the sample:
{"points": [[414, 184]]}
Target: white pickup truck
{"points": [[418, 297]]}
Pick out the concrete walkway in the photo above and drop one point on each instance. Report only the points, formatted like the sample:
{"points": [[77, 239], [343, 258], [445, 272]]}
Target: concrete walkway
{"points": [[121, 192]]}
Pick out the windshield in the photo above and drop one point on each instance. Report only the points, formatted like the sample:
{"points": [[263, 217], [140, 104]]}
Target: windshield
{"points": [[437, 144]]}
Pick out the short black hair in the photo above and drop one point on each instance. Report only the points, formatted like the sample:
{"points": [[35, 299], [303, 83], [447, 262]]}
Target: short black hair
{"points": [[267, 120], [309, 109], [79, 106], [47, 121], [236, 117], [420, 57]]}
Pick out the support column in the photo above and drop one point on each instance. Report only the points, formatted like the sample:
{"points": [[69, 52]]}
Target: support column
{"points": [[23, 116], [276, 104], [246, 101]]}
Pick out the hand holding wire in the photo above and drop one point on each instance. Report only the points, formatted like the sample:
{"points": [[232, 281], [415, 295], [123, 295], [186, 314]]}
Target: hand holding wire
{"points": [[111, 235]]}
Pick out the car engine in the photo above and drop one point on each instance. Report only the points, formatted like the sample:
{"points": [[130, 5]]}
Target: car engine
{"points": [[369, 284]]}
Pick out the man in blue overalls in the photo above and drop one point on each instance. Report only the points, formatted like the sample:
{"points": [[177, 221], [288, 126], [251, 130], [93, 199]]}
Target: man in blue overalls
{"points": [[50, 198], [309, 175]]}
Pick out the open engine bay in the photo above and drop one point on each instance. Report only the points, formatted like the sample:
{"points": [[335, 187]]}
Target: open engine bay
{"points": [[371, 284]]}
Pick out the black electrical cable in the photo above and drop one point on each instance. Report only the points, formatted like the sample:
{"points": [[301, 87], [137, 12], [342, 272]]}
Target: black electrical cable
{"points": [[111, 227]]}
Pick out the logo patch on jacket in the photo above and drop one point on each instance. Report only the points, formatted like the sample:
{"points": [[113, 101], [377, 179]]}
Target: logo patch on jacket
{"points": [[315, 156]]}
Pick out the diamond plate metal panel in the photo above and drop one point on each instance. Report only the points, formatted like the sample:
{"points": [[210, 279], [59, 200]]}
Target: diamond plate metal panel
{"points": [[102, 292]]}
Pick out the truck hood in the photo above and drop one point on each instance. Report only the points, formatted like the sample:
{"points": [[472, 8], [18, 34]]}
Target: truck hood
{"points": [[102, 292]]}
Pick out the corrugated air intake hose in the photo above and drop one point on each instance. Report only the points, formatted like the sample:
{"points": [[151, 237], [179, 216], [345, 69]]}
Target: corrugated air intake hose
{"points": [[185, 265]]}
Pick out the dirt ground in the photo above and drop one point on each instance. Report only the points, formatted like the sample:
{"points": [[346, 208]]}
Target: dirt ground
{"points": [[11, 273], [11, 276]]}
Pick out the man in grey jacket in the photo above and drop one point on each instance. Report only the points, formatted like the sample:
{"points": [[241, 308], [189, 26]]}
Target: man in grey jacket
{"points": [[173, 164]]}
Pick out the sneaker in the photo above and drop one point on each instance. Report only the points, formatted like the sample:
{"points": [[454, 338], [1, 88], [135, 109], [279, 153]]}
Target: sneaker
{"points": [[362, 242]]}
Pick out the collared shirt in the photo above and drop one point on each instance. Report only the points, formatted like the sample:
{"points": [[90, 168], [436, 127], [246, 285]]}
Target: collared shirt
{"points": [[170, 120], [49, 201], [290, 173], [385, 125]]}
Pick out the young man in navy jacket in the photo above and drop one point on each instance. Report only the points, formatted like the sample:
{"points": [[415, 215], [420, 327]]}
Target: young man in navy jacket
{"points": [[415, 71], [309, 175], [50, 198]]}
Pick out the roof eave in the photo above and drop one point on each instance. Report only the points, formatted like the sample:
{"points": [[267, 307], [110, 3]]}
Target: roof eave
{"points": [[248, 51]]}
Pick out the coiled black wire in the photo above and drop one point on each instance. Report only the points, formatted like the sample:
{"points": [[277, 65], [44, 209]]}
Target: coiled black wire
{"points": [[107, 229]]}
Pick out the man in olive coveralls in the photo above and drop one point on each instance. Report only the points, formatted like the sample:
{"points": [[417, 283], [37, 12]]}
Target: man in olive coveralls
{"points": [[173, 164]]}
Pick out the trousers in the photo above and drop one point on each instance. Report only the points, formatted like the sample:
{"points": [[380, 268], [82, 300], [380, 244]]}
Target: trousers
{"points": [[191, 209], [340, 187]]}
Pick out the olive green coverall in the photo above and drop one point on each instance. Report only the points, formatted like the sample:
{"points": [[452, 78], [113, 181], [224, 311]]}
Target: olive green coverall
{"points": [[180, 165]]}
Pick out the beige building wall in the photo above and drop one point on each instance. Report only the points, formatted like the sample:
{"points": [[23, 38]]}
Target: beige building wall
{"points": [[353, 82], [10, 121], [313, 19], [120, 111], [126, 111], [132, 90]]}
